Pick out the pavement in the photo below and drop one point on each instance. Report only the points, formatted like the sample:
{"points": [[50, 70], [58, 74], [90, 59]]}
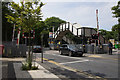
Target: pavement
{"points": [[11, 68]]}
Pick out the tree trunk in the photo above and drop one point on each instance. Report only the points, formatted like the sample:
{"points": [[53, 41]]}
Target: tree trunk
{"points": [[29, 54]]}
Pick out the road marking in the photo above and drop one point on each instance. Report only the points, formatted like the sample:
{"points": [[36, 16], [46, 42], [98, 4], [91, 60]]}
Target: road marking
{"points": [[75, 61], [75, 70], [94, 56]]}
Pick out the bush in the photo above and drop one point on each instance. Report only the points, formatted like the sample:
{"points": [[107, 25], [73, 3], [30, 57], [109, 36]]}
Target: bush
{"points": [[26, 67]]}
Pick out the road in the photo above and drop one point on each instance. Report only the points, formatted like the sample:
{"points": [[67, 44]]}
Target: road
{"points": [[88, 66]]}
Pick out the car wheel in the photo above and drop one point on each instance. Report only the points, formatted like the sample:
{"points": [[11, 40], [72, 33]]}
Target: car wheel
{"points": [[81, 54], [70, 53], [61, 53]]}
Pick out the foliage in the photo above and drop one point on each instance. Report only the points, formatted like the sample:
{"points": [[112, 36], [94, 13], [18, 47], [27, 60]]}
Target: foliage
{"points": [[116, 10], [27, 17], [6, 26], [25, 66], [74, 38], [116, 28], [53, 21]]}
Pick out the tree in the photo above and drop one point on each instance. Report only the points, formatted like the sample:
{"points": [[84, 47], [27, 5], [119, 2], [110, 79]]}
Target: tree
{"points": [[43, 29], [109, 34], [54, 22], [28, 15], [6, 26], [116, 12]]}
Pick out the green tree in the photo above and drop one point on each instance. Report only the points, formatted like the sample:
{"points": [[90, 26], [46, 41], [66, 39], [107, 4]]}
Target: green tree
{"points": [[28, 15], [116, 12], [54, 22], [43, 29], [109, 34], [6, 26]]}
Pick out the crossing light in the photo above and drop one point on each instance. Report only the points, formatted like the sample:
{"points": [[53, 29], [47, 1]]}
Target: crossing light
{"points": [[94, 36]]}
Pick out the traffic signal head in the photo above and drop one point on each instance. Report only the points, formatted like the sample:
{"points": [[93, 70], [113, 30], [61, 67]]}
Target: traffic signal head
{"points": [[94, 36]]}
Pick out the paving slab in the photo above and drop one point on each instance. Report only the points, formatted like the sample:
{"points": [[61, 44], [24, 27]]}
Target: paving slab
{"points": [[32, 74]]}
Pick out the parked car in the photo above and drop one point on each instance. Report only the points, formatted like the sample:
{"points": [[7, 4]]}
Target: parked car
{"points": [[37, 48], [70, 50]]}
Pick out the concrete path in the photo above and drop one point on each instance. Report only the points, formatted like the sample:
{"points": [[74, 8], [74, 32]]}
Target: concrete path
{"points": [[41, 73]]}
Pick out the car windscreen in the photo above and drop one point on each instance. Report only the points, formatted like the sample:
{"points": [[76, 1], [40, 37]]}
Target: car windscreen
{"points": [[72, 47], [36, 46]]}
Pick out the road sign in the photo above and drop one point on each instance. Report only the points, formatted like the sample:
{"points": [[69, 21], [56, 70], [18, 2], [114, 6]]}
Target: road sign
{"points": [[50, 34], [32, 34]]}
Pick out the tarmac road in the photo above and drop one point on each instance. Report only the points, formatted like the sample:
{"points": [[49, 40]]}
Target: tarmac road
{"points": [[101, 65]]}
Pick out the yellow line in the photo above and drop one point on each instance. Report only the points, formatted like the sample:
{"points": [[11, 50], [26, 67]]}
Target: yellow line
{"points": [[75, 70]]}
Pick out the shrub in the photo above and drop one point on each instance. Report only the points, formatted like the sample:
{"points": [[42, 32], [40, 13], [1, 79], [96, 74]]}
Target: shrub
{"points": [[25, 66]]}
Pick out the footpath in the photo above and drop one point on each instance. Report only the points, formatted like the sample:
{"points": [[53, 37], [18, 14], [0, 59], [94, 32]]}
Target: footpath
{"points": [[11, 69]]}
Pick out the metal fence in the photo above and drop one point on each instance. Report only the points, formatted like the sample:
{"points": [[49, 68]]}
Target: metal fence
{"points": [[102, 49], [91, 49], [12, 50]]}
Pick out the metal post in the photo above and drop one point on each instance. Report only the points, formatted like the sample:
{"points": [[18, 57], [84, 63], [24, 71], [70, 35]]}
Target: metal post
{"points": [[77, 32], [68, 25], [65, 26], [72, 28], [62, 27], [26, 41]]}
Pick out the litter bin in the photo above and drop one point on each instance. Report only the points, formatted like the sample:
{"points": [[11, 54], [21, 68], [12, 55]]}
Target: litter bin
{"points": [[1, 49]]}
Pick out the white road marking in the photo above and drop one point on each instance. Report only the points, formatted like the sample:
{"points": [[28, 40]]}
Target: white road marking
{"points": [[75, 62]]}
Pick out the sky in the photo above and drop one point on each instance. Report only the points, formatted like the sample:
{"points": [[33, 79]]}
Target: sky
{"points": [[82, 12]]}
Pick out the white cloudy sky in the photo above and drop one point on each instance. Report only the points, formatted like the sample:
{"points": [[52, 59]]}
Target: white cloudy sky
{"points": [[82, 12]]}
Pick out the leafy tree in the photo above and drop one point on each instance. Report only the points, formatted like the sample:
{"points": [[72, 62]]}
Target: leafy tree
{"points": [[43, 29], [50, 23], [53, 22], [6, 26], [116, 12], [28, 15], [116, 31]]}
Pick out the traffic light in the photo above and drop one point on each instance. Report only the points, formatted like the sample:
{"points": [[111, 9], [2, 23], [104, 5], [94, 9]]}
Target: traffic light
{"points": [[94, 36]]}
